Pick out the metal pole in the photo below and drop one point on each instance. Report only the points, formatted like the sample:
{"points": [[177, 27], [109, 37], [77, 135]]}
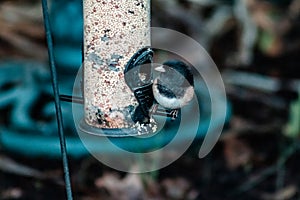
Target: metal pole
{"points": [[57, 101]]}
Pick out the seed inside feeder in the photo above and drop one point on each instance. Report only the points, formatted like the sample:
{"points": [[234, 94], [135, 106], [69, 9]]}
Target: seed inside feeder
{"points": [[113, 32]]}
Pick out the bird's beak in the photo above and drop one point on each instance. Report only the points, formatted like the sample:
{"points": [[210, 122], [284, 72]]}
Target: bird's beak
{"points": [[160, 68]]}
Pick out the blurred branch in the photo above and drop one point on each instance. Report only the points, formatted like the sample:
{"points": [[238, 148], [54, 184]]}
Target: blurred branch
{"points": [[264, 174], [15, 12], [22, 43], [21, 27], [248, 32], [257, 81], [10, 166]]}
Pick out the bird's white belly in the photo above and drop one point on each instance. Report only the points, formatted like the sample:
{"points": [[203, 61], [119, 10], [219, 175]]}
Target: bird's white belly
{"points": [[172, 103]]}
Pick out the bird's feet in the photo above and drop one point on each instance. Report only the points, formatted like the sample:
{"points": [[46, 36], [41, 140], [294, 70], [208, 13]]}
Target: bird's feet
{"points": [[171, 113]]}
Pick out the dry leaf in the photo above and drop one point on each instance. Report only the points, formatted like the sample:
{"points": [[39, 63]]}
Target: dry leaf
{"points": [[128, 188], [236, 152], [11, 193], [176, 188], [285, 193]]}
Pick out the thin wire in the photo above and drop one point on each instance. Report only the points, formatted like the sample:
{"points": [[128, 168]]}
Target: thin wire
{"points": [[71, 99], [57, 101]]}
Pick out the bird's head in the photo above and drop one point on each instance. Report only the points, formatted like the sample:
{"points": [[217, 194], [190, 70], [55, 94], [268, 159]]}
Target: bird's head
{"points": [[176, 71]]}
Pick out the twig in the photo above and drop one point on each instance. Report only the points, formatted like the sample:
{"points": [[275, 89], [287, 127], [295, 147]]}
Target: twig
{"points": [[10, 166], [22, 43], [24, 30], [253, 182], [245, 94], [257, 81], [280, 167]]}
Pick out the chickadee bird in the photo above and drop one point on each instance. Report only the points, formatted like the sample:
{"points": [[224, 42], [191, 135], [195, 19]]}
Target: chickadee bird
{"points": [[173, 88]]}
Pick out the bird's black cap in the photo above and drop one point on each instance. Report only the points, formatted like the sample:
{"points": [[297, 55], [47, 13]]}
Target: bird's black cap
{"points": [[182, 68]]}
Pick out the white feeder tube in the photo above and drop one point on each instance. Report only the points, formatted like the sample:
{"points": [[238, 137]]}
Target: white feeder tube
{"points": [[114, 30]]}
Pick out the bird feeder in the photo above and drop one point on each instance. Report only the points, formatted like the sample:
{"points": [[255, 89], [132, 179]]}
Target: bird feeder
{"points": [[113, 32]]}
